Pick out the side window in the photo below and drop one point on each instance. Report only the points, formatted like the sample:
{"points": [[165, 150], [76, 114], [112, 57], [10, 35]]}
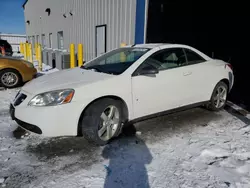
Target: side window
{"points": [[43, 40], [193, 57], [37, 39], [168, 58], [33, 42], [50, 40]]}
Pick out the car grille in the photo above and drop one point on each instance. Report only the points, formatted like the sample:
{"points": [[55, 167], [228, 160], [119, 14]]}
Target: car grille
{"points": [[19, 99]]}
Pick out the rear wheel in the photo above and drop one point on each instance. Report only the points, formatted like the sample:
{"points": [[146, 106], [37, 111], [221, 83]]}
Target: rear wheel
{"points": [[10, 78], [102, 121], [219, 97]]}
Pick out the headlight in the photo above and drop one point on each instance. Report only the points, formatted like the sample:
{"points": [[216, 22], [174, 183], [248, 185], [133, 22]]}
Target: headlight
{"points": [[28, 64], [52, 98]]}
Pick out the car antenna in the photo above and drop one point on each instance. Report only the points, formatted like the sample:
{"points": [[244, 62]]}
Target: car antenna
{"points": [[133, 45]]}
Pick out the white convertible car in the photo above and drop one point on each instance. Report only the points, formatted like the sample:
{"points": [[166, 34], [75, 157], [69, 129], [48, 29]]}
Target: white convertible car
{"points": [[124, 85]]}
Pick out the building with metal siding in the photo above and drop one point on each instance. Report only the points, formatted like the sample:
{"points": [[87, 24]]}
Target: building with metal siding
{"points": [[86, 21]]}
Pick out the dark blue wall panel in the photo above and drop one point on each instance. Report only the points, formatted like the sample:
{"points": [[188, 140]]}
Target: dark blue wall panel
{"points": [[140, 21]]}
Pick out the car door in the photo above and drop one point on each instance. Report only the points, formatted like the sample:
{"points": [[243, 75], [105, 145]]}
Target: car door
{"points": [[200, 81], [166, 90]]}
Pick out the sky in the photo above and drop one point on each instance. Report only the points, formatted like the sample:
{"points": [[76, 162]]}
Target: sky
{"points": [[12, 16]]}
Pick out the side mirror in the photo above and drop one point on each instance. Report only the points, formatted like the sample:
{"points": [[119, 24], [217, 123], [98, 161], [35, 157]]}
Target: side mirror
{"points": [[149, 70]]}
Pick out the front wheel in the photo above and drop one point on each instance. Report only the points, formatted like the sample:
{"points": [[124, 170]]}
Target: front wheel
{"points": [[10, 78], [219, 97], [102, 121]]}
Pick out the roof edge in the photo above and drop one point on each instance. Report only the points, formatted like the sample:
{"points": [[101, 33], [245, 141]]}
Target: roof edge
{"points": [[25, 2], [11, 35]]}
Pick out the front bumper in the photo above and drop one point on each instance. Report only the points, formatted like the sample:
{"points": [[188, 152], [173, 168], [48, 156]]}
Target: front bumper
{"points": [[24, 125], [50, 121]]}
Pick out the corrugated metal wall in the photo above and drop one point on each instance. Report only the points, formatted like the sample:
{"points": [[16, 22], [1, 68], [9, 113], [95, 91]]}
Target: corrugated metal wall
{"points": [[118, 15]]}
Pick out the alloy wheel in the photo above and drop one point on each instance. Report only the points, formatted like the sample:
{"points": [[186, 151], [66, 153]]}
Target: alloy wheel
{"points": [[9, 79], [220, 97], [109, 124]]}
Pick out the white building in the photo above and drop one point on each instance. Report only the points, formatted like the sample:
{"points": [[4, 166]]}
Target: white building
{"points": [[14, 40], [100, 25]]}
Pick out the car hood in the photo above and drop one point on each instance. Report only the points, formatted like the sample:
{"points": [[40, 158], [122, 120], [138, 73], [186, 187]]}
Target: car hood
{"points": [[70, 78]]}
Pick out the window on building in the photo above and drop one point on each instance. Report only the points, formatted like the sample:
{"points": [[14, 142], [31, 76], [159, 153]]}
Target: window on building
{"points": [[37, 39], [33, 42], [43, 40], [50, 40], [60, 39]]}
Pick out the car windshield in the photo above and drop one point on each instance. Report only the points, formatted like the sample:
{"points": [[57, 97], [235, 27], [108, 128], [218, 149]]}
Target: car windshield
{"points": [[116, 61]]}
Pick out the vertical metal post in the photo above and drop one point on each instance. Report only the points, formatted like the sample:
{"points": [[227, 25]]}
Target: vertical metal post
{"points": [[26, 51], [80, 55], [72, 56], [39, 52], [30, 53], [22, 48], [36, 50]]}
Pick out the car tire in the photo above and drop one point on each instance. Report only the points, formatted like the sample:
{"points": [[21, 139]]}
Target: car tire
{"points": [[98, 125], [17, 78], [219, 97]]}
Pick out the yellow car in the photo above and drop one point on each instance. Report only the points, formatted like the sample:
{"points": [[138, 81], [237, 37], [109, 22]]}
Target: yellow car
{"points": [[14, 72]]}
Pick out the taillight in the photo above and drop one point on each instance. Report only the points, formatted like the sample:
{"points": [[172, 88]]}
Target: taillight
{"points": [[229, 65]]}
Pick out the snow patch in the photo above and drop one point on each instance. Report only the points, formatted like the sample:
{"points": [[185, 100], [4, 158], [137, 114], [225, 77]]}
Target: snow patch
{"points": [[244, 169], [2, 180], [6, 159], [215, 153], [243, 156]]}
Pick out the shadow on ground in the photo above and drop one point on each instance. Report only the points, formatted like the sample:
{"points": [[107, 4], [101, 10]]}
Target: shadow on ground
{"points": [[60, 146], [237, 114], [163, 127], [18, 133], [128, 158], [39, 74]]}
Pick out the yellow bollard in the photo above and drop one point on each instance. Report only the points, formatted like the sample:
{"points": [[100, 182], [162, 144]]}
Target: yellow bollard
{"points": [[72, 56], [26, 51], [39, 55], [123, 44], [30, 53], [36, 50], [80, 55], [122, 55], [21, 48]]}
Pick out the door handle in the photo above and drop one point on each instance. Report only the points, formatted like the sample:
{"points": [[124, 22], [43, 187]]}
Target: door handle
{"points": [[187, 73]]}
